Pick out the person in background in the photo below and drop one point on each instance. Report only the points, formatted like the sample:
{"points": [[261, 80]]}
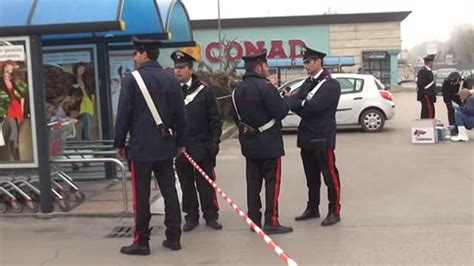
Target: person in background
{"points": [[451, 87], [425, 86], [464, 115], [86, 109]]}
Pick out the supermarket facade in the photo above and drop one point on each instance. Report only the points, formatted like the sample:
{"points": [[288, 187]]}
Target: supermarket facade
{"points": [[368, 42]]}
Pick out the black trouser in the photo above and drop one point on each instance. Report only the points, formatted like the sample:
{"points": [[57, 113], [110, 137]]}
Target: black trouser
{"points": [[141, 178], [257, 171], [427, 107], [190, 179], [449, 107], [316, 162]]}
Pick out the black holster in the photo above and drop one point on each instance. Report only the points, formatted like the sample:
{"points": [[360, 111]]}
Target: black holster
{"points": [[247, 130], [167, 132]]}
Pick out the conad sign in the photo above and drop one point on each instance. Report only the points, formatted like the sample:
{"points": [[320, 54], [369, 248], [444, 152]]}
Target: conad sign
{"points": [[247, 47]]}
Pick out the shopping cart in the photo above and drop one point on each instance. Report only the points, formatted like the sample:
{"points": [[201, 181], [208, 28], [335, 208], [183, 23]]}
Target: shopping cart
{"points": [[17, 191]]}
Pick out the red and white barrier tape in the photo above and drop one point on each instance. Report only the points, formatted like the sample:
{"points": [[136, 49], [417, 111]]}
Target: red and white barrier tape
{"points": [[282, 254]]}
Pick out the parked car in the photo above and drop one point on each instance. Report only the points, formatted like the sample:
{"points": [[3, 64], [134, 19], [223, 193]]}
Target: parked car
{"points": [[364, 102], [440, 76]]}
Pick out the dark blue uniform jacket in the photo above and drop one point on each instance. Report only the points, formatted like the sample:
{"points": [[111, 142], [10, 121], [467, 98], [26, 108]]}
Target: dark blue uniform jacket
{"points": [[258, 102], [424, 78], [204, 122], [318, 116], [146, 144]]}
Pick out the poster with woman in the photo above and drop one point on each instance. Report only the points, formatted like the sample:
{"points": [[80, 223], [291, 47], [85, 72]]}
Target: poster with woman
{"points": [[70, 79], [17, 129]]}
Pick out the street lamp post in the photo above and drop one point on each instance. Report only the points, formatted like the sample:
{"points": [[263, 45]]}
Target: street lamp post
{"points": [[219, 32]]}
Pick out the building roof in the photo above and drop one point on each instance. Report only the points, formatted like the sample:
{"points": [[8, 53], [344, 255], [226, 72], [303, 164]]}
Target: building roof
{"points": [[301, 20]]}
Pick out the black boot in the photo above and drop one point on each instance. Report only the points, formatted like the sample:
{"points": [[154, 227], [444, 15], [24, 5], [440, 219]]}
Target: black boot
{"points": [[172, 245], [189, 226], [331, 219], [309, 213], [214, 224], [135, 249], [277, 229]]}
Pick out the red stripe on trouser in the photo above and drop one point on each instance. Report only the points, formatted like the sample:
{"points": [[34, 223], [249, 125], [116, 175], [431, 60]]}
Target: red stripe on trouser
{"points": [[332, 170], [214, 197], [430, 110], [276, 192], [134, 203]]}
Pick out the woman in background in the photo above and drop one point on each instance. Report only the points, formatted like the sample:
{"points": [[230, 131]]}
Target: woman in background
{"points": [[86, 109]]}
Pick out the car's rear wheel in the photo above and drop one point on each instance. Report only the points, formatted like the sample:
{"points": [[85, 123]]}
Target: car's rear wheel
{"points": [[372, 120]]}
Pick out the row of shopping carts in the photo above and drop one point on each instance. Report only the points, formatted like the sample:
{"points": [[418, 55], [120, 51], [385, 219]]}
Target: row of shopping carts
{"points": [[18, 192], [21, 192]]}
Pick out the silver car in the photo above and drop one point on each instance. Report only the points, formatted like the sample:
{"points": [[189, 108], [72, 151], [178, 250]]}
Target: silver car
{"points": [[364, 102]]}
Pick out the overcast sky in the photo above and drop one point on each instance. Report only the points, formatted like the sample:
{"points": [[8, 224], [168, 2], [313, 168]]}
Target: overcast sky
{"points": [[429, 20]]}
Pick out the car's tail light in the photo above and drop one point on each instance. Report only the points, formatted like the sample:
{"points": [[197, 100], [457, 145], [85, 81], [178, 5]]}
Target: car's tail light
{"points": [[386, 95]]}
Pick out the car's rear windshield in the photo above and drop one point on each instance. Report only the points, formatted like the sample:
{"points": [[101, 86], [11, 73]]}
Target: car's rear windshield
{"points": [[444, 73], [380, 86]]}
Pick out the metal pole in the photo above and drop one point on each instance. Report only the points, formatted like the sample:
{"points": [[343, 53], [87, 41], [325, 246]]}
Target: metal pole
{"points": [[219, 32], [42, 131], [105, 100]]}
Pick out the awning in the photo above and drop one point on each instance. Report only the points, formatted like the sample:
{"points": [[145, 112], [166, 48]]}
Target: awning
{"points": [[116, 20], [38, 17]]}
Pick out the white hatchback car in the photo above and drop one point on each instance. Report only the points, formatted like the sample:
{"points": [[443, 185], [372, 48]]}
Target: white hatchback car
{"points": [[364, 102]]}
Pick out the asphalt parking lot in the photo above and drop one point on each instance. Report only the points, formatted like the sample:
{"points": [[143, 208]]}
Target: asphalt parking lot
{"points": [[401, 204]]}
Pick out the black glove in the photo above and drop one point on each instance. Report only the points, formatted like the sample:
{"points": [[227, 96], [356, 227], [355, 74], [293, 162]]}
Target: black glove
{"points": [[214, 149]]}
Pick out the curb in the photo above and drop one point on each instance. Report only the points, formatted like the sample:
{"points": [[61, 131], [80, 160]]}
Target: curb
{"points": [[46, 216]]}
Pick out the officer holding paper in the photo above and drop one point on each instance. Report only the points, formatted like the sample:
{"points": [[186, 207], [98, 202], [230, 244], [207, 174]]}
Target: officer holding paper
{"points": [[316, 103], [259, 109]]}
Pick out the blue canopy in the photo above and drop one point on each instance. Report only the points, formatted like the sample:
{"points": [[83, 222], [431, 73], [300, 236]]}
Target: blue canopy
{"points": [[38, 17], [112, 19]]}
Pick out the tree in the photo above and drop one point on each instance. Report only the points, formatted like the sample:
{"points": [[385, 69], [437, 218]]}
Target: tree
{"points": [[223, 81], [463, 42]]}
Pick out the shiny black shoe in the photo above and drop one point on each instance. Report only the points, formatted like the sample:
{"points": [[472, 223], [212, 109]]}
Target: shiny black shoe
{"points": [[171, 245], [134, 249], [277, 229], [308, 214], [189, 226], [331, 219], [214, 224]]}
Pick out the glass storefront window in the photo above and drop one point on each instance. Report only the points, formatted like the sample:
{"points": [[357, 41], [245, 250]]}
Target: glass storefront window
{"points": [[70, 79]]}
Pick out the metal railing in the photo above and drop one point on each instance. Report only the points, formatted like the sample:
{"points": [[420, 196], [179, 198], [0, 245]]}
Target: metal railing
{"points": [[102, 160]]}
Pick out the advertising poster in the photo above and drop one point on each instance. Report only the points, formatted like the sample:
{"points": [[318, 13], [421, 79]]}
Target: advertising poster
{"points": [[17, 128], [121, 64], [70, 80]]}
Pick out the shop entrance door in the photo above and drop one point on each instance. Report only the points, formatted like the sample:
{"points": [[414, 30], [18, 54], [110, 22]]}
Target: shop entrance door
{"points": [[377, 63]]}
